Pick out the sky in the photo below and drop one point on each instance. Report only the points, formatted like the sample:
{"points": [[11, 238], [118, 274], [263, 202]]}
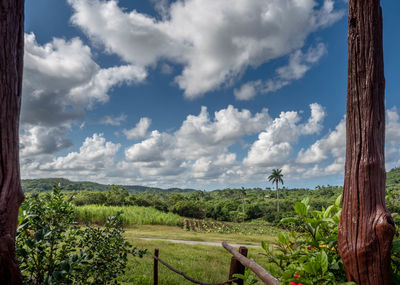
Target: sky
{"points": [[197, 94]]}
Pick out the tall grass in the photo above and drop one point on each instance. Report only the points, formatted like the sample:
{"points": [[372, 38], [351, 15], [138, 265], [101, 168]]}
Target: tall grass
{"points": [[132, 215]]}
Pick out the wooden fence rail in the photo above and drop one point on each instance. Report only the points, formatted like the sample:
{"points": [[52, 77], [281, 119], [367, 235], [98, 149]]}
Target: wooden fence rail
{"points": [[235, 267], [263, 274]]}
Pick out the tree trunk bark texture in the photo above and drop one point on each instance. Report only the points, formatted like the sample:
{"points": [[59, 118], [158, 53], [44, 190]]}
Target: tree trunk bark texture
{"points": [[277, 196], [11, 195], [366, 228]]}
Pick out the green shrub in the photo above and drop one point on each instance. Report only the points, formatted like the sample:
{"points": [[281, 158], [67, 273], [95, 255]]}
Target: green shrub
{"points": [[53, 250], [189, 209], [89, 198], [116, 196], [310, 258]]}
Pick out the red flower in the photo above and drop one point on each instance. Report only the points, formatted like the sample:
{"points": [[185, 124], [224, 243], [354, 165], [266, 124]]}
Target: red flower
{"points": [[309, 247], [296, 275], [293, 283]]}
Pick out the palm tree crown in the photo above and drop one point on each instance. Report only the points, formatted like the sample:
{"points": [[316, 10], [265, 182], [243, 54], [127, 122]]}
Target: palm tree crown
{"points": [[276, 176]]}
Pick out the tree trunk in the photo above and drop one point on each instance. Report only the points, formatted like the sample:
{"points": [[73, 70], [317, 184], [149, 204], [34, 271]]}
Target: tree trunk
{"points": [[366, 228], [277, 196], [11, 195]]}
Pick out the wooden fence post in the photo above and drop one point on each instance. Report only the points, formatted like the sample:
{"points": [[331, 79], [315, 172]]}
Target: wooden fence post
{"points": [[155, 269], [236, 266]]}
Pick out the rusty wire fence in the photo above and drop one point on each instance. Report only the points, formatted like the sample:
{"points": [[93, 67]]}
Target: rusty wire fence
{"points": [[235, 268]]}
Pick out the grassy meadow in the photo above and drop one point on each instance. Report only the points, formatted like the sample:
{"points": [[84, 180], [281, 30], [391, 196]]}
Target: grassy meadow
{"points": [[204, 263]]}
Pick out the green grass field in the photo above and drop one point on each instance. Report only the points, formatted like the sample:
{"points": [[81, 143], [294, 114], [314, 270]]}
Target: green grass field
{"points": [[204, 263], [132, 215]]}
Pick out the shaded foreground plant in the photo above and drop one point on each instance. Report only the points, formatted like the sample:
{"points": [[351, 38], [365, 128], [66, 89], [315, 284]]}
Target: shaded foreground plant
{"points": [[310, 256], [52, 249]]}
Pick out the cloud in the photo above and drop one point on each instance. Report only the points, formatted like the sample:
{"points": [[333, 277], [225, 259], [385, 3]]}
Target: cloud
{"points": [[39, 140], [113, 121], [332, 144], [299, 64], [166, 69], [198, 149], [200, 135], [61, 81], [152, 149], [248, 90], [214, 41], [139, 131], [201, 151], [95, 154], [392, 125], [97, 88], [392, 147], [274, 145]]}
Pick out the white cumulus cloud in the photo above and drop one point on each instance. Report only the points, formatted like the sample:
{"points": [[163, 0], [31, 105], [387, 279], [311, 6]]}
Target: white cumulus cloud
{"points": [[140, 130], [214, 41], [274, 144], [299, 64], [113, 121], [95, 154]]}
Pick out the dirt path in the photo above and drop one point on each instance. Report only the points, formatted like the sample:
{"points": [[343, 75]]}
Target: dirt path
{"points": [[191, 242]]}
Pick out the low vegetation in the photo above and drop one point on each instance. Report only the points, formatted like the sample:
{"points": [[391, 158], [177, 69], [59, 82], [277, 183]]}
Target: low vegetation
{"points": [[130, 215]]}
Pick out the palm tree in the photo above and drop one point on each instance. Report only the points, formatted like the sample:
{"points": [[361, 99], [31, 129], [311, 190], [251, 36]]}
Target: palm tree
{"points": [[276, 177]]}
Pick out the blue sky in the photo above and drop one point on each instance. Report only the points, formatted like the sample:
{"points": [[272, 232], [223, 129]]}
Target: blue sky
{"points": [[193, 93]]}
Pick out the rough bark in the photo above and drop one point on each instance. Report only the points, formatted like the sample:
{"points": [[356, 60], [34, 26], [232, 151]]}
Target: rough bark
{"points": [[277, 197], [366, 228], [11, 195]]}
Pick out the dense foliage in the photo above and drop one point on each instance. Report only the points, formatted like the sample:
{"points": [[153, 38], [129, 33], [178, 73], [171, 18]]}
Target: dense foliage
{"points": [[311, 257], [52, 249]]}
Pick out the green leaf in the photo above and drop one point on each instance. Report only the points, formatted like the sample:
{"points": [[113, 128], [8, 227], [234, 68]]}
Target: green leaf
{"points": [[396, 246], [264, 245], [300, 209], [283, 239], [240, 276], [288, 220], [311, 267], [338, 200], [306, 201], [322, 259], [328, 211]]}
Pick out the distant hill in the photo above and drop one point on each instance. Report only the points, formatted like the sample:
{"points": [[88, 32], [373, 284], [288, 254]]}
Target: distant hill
{"points": [[46, 184]]}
